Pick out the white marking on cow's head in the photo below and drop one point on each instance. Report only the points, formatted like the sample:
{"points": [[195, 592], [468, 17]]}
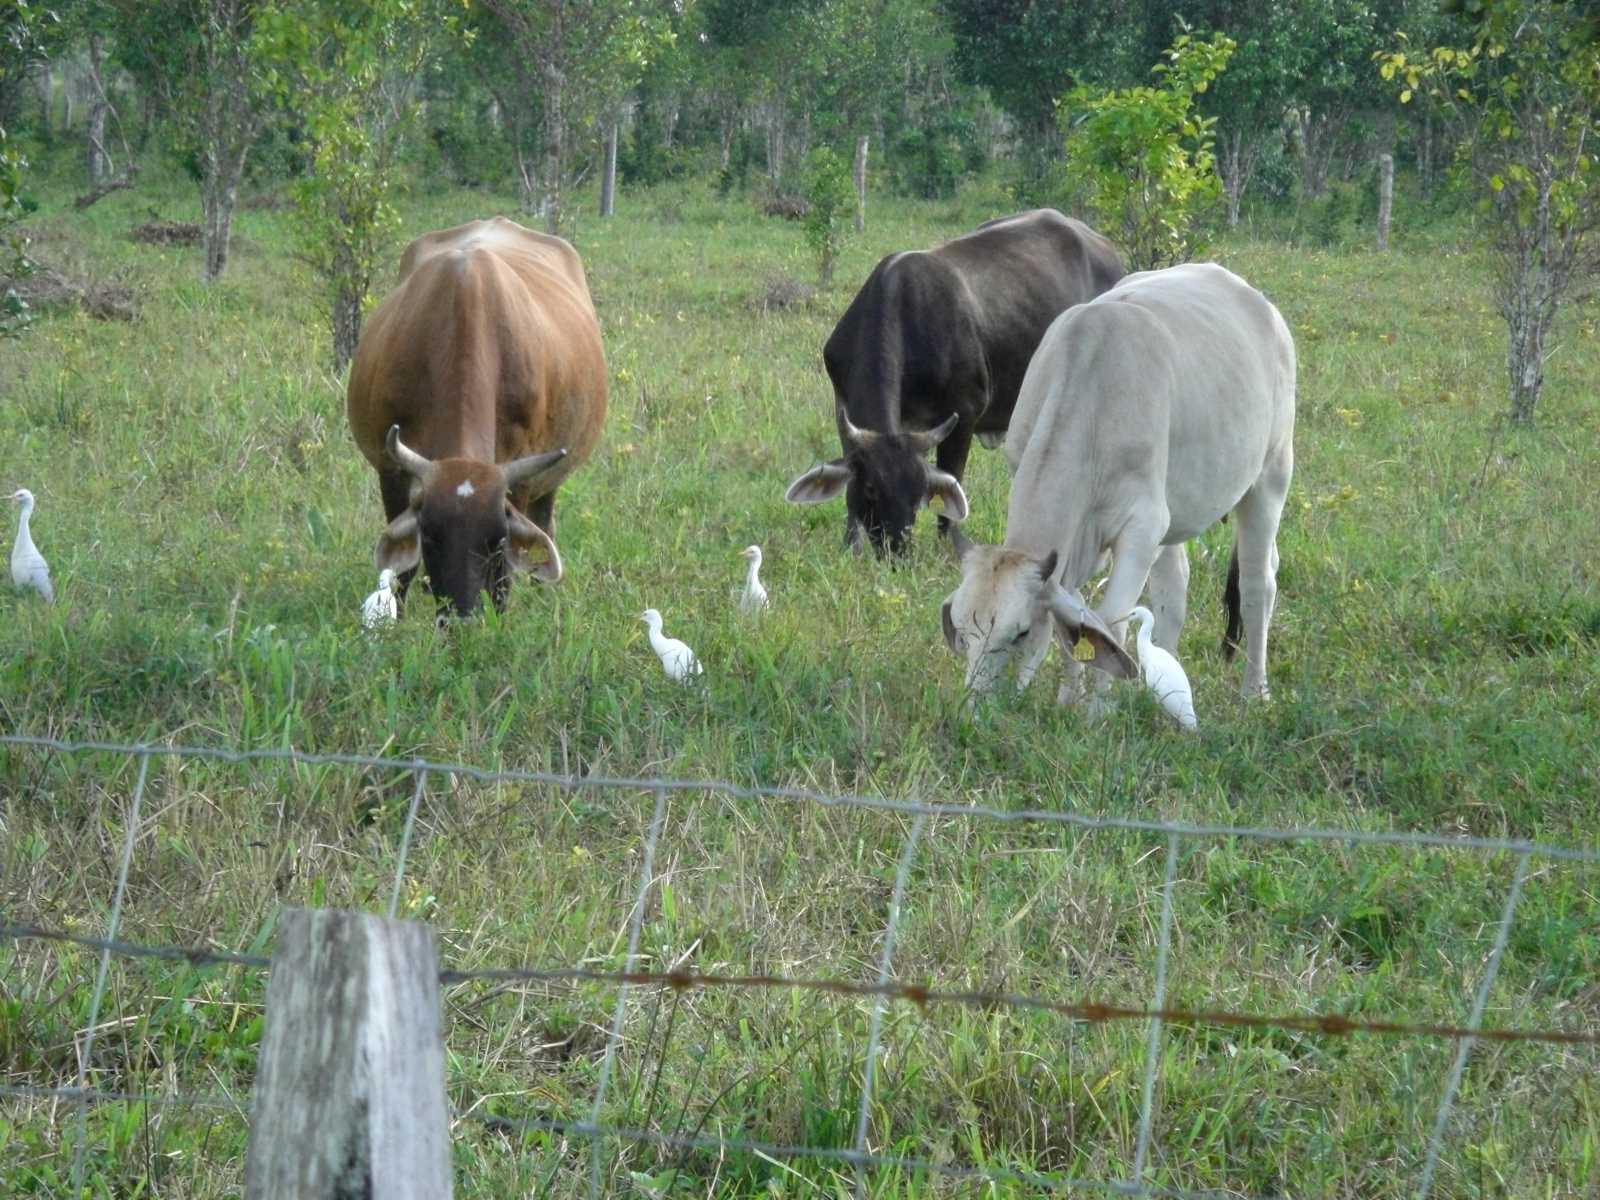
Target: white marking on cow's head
{"points": [[465, 489]]}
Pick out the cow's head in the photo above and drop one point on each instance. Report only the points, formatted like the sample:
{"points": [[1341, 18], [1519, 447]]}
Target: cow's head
{"points": [[463, 528], [1004, 611], [885, 478]]}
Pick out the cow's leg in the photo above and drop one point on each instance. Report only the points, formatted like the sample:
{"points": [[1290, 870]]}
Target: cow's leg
{"points": [[1133, 553], [1256, 544], [395, 488], [1169, 594]]}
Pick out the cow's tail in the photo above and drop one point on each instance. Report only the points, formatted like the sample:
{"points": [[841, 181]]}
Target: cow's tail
{"points": [[1230, 604]]}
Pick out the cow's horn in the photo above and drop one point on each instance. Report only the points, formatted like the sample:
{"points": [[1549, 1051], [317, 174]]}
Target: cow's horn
{"points": [[927, 441], [519, 469], [853, 436], [412, 462]]}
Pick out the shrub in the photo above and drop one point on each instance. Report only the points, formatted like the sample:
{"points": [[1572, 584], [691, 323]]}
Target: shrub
{"points": [[1140, 158], [831, 198]]}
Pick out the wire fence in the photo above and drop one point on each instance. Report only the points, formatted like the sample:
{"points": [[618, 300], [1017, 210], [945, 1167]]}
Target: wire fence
{"points": [[886, 988]]}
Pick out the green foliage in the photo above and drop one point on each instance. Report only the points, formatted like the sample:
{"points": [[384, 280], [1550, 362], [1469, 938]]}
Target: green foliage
{"points": [[347, 72], [932, 157], [1528, 86], [23, 29], [832, 199], [14, 261], [1141, 158]]}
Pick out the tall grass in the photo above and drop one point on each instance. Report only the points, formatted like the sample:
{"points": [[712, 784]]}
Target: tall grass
{"points": [[210, 526]]}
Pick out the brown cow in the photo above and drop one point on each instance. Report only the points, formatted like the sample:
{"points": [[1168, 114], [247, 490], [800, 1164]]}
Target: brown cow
{"points": [[479, 385]]}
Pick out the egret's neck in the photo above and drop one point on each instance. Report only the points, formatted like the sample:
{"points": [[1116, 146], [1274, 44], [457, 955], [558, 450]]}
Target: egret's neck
{"points": [[22, 521], [655, 635], [750, 576]]}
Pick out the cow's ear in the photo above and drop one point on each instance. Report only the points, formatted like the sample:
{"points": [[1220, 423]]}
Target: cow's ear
{"points": [[399, 545], [523, 538], [1082, 629], [820, 483], [947, 487]]}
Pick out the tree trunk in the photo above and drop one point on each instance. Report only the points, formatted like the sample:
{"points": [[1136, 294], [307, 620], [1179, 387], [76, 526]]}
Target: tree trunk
{"points": [[346, 326], [1235, 174], [218, 194], [861, 183], [725, 130], [608, 178], [551, 182], [1385, 197], [1535, 263], [68, 83], [44, 80], [99, 161], [777, 128]]}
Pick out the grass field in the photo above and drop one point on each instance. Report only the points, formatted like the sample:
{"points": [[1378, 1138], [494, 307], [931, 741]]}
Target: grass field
{"points": [[210, 526]]}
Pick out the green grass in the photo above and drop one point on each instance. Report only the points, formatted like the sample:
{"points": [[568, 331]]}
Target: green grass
{"points": [[210, 527]]}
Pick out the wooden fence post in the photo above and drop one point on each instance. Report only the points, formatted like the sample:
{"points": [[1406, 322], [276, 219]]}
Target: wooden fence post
{"points": [[349, 1095], [1385, 197]]}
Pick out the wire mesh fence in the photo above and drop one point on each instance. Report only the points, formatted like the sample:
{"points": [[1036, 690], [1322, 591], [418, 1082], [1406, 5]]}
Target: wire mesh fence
{"points": [[900, 956]]}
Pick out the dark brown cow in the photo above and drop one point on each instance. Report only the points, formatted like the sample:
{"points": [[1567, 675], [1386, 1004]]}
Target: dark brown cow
{"points": [[478, 387], [932, 351]]}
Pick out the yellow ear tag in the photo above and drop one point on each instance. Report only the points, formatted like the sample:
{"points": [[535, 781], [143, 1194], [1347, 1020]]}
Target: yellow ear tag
{"points": [[1083, 650]]}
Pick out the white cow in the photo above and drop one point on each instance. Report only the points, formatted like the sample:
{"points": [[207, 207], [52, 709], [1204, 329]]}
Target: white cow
{"points": [[1146, 415]]}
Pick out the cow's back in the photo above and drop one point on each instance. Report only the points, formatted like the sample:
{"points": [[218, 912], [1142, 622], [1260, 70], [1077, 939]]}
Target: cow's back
{"points": [[489, 348], [929, 326], [1190, 359]]}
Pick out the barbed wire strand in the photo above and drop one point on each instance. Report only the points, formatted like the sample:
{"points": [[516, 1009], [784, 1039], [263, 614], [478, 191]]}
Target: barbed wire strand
{"points": [[1464, 1046], [1141, 1154], [922, 995], [842, 800], [864, 1158], [85, 1054], [635, 928], [405, 843], [875, 1028], [197, 956]]}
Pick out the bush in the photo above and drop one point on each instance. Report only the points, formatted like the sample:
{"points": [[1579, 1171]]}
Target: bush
{"points": [[1141, 158], [930, 161], [831, 198]]}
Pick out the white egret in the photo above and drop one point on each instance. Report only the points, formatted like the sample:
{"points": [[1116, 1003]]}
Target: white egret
{"points": [[29, 571], [1163, 673], [380, 608], [754, 598], [676, 658]]}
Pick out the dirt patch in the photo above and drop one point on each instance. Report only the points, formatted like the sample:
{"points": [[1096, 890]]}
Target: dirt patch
{"points": [[780, 291], [166, 233], [47, 287], [790, 208]]}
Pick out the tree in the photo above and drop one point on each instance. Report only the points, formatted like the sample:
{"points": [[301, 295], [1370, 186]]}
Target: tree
{"points": [[23, 30], [1028, 52], [348, 73], [1141, 158], [199, 57], [830, 203], [1249, 99], [557, 67], [1530, 78]]}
